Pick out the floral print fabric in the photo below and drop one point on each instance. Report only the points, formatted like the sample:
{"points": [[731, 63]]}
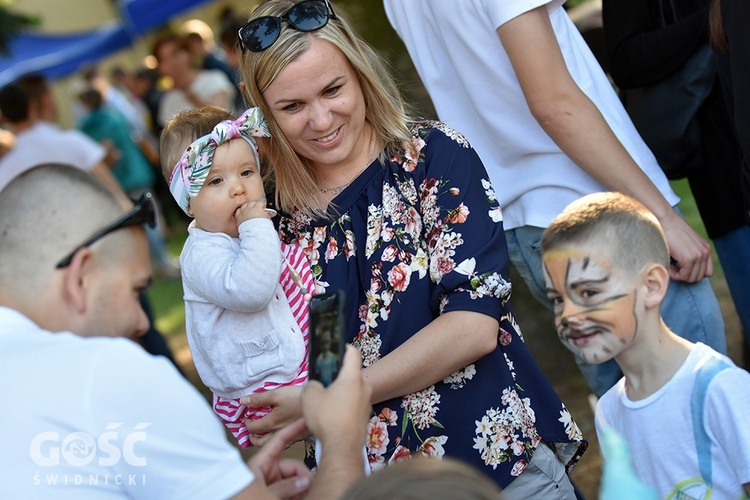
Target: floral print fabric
{"points": [[414, 238]]}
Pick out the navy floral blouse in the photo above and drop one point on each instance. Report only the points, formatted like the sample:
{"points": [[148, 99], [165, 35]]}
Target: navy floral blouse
{"points": [[420, 236]]}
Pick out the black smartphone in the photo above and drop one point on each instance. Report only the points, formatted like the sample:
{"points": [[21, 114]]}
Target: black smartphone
{"points": [[326, 335]]}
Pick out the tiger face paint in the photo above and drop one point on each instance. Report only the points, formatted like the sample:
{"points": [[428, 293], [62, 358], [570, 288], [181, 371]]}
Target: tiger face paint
{"points": [[594, 303]]}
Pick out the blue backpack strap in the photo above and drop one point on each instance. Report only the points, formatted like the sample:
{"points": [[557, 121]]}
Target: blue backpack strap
{"points": [[703, 378]]}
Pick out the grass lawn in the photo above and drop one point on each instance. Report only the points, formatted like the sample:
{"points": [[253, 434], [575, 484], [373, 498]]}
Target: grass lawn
{"points": [[169, 310]]}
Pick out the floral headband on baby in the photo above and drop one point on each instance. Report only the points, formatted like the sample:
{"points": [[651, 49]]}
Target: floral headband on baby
{"points": [[191, 171]]}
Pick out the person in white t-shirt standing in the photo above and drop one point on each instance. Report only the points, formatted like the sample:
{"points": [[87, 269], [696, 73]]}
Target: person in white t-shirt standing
{"points": [[114, 421], [192, 88], [519, 81], [29, 110]]}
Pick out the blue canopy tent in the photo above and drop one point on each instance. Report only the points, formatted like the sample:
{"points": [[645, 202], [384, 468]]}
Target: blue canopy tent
{"points": [[56, 56]]}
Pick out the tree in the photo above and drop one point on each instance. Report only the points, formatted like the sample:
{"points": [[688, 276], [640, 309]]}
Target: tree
{"points": [[11, 24]]}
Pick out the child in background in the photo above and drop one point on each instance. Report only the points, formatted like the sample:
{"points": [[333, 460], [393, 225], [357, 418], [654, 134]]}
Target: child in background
{"points": [[245, 292], [683, 408]]}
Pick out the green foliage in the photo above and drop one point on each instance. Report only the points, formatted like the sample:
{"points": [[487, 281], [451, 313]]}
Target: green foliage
{"points": [[687, 205], [11, 24], [569, 4]]}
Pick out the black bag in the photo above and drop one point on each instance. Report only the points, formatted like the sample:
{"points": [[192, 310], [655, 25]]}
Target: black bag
{"points": [[665, 113]]}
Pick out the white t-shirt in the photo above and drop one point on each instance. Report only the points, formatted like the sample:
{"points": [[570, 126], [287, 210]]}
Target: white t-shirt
{"points": [[100, 418], [45, 142], [205, 86], [464, 67], [659, 430]]}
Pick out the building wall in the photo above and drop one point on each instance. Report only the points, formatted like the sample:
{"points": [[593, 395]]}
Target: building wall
{"points": [[68, 15]]}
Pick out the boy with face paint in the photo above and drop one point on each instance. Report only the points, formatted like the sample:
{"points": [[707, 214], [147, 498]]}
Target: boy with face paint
{"points": [[683, 408]]}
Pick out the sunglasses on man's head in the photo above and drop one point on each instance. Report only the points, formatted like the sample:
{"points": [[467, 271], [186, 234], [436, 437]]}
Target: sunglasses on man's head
{"points": [[309, 15], [144, 212]]}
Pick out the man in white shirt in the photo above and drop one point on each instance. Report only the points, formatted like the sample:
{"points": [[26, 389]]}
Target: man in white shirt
{"points": [[97, 417], [29, 110]]}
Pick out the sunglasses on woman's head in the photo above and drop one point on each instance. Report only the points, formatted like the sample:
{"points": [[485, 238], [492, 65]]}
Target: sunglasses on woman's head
{"points": [[262, 32]]}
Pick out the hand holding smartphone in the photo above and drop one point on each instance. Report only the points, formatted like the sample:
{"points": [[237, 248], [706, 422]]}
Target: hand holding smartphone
{"points": [[326, 335], [327, 329]]}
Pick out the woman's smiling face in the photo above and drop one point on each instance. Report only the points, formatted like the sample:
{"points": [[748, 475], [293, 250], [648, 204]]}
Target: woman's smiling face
{"points": [[317, 102], [595, 303]]}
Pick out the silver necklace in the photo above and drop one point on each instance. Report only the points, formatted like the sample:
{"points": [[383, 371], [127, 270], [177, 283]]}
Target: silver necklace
{"points": [[336, 190]]}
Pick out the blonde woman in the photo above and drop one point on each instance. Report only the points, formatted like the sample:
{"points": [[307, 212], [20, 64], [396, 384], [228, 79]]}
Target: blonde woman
{"points": [[400, 214]]}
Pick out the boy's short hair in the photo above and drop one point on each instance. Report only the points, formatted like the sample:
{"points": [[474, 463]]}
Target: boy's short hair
{"points": [[183, 129], [627, 228]]}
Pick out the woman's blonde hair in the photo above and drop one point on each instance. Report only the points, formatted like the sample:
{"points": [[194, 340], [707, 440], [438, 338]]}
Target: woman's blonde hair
{"points": [[385, 110]]}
